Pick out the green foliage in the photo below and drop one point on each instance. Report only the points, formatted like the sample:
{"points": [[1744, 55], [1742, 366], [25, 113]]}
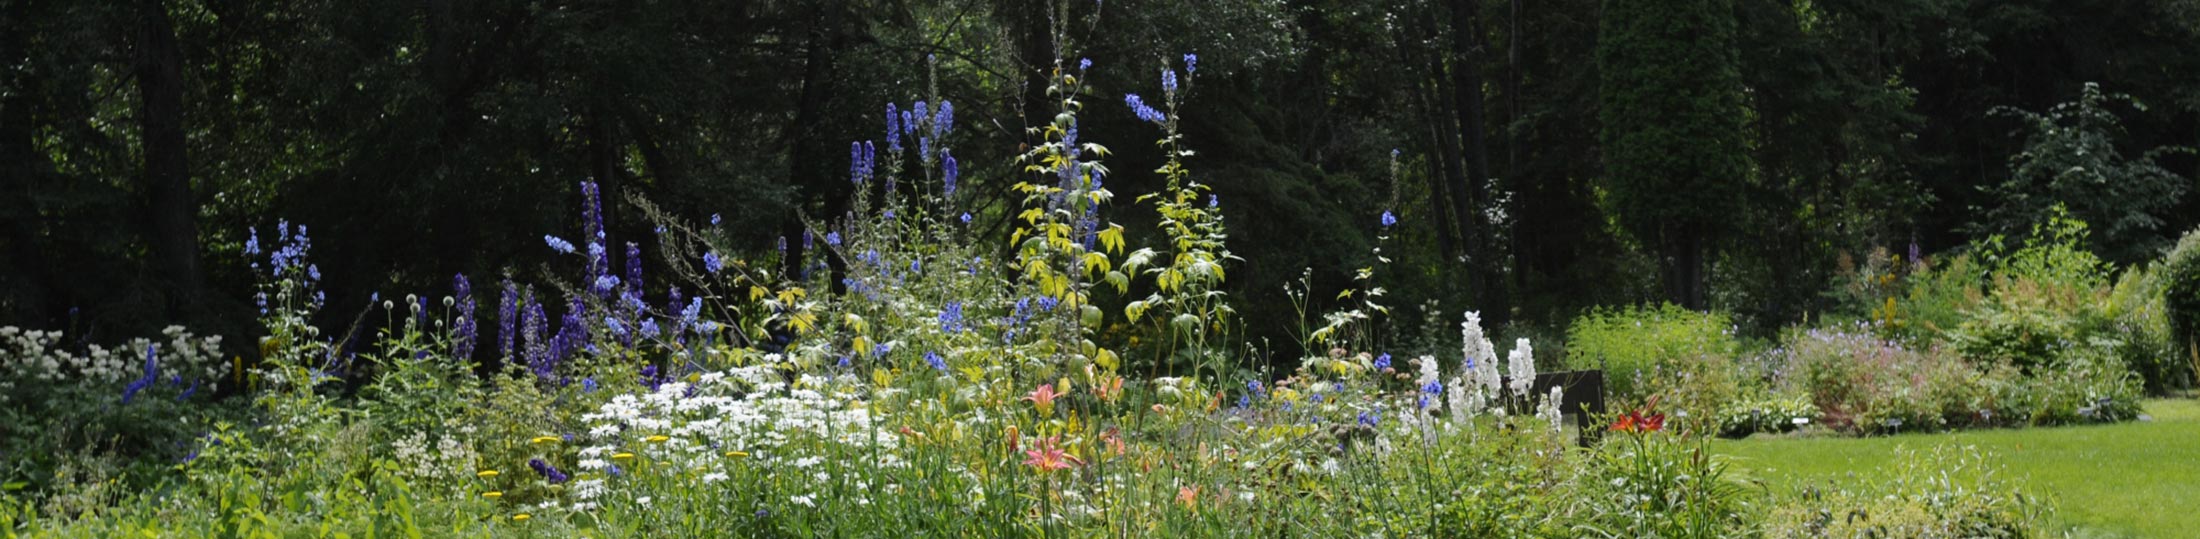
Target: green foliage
{"points": [[2138, 311], [1670, 98], [1657, 484], [1686, 356], [1945, 492], [2072, 156], [2181, 299], [1936, 299], [2046, 297], [1767, 412]]}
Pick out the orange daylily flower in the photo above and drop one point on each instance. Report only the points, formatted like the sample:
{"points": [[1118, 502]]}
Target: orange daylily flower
{"points": [[1043, 399], [1047, 455]]}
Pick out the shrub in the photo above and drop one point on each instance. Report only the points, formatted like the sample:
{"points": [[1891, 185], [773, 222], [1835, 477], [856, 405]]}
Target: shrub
{"points": [[2045, 296], [1684, 355], [1861, 383], [2181, 298], [2139, 323], [2088, 384], [1767, 412], [1936, 299]]}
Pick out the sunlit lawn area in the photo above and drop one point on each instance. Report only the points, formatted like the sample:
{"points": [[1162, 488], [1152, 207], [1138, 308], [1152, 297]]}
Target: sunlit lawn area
{"points": [[2136, 479]]}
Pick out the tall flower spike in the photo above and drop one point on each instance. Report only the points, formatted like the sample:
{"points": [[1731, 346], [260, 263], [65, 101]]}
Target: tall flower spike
{"points": [[893, 129], [855, 163], [1522, 369], [1191, 63], [463, 345], [634, 266], [1168, 81], [949, 171], [945, 120], [593, 209], [507, 318]]}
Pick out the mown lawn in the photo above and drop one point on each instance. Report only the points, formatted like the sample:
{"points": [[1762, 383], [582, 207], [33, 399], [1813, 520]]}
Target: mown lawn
{"points": [[2135, 479]]}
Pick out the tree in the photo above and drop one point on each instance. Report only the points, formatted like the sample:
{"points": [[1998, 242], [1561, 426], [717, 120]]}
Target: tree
{"points": [[1670, 96], [2073, 156], [173, 229]]}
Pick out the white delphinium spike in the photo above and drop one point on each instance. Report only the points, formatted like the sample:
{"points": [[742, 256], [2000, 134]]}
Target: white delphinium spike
{"points": [[1523, 369], [1478, 364], [1550, 410], [1456, 401]]}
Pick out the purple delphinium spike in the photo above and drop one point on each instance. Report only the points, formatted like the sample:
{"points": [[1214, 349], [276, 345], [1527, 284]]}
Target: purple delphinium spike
{"points": [[537, 324], [1145, 113], [949, 171], [462, 345], [592, 210], [945, 121], [634, 266], [893, 129], [855, 163], [152, 374], [573, 330], [558, 244], [507, 318]]}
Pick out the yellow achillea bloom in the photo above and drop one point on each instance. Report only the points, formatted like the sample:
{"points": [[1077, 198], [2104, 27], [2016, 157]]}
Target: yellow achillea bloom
{"points": [[737, 454], [622, 456], [522, 517], [544, 439], [494, 494], [658, 439], [485, 474]]}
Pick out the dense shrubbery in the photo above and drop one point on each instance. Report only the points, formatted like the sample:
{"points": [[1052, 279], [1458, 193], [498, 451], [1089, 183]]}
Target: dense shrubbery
{"points": [[2181, 293], [2036, 335], [1685, 355]]}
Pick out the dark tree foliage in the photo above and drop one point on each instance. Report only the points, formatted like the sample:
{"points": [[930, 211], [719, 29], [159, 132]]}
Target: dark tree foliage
{"points": [[1551, 156], [1671, 108]]}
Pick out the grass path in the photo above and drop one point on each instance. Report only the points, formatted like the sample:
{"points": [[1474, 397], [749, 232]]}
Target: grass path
{"points": [[2134, 479]]}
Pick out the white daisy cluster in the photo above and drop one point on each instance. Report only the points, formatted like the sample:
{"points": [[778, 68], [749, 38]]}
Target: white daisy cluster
{"points": [[751, 410], [41, 357]]}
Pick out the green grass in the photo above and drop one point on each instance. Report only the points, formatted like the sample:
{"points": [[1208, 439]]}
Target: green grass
{"points": [[2134, 479]]}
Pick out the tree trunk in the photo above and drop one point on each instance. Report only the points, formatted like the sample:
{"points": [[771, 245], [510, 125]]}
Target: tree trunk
{"points": [[1467, 50], [603, 166], [1682, 267], [1440, 170], [174, 233], [806, 170]]}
